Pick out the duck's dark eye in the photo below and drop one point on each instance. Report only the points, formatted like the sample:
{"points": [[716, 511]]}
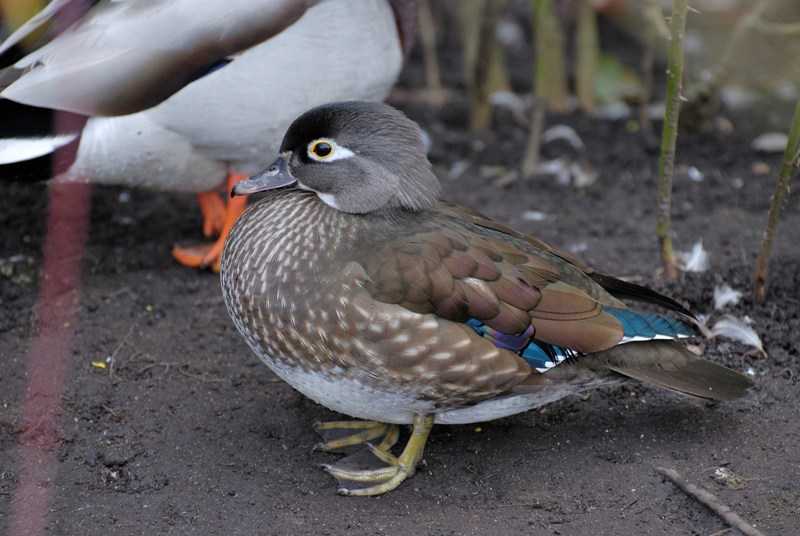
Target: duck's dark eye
{"points": [[327, 149], [321, 149]]}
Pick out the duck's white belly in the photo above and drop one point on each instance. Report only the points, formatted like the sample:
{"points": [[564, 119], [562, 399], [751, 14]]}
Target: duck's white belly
{"points": [[357, 399], [132, 150], [346, 395]]}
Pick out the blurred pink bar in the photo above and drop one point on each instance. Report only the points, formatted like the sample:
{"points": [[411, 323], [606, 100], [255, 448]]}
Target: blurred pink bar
{"points": [[49, 356]]}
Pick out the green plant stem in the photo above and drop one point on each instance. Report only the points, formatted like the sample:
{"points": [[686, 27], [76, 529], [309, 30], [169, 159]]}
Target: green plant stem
{"points": [[791, 162], [669, 136], [587, 50], [551, 77], [486, 69]]}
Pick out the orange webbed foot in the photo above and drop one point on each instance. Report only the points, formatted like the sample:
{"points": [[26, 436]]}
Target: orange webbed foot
{"points": [[213, 209], [210, 255]]}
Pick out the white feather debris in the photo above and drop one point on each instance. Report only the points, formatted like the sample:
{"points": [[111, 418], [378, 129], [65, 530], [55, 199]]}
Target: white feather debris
{"points": [[14, 150], [557, 167], [534, 215], [771, 142], [510, 32], [512, 102], [657, 110], [695, 175], [695, 260], [458, 168], [566, 133], [725, 295], [737, 329], [616, 111], [580, 247], [569, 173]]}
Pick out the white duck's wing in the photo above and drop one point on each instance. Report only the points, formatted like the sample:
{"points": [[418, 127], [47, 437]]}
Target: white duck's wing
{"points": [[124, 56]]}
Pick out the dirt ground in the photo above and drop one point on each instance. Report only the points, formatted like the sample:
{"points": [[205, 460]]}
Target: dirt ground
{"points": [[186, 432]]}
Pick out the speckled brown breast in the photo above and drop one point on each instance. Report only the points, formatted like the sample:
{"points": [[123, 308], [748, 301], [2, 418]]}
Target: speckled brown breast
{"points": [[297, 292]]}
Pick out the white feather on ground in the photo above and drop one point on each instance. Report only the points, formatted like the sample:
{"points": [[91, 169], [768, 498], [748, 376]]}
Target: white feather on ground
{"points": [[725, 295], [737, 329], [696, 260]]}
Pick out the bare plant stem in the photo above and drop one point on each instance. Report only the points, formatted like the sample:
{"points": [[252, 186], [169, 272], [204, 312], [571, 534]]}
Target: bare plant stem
{"points": [[654, 28], [648, 63], [486, 70], [587, 47], [669, 136], [791, 162], [530, 160], [551, 77], [550, 84], [427, 36]]}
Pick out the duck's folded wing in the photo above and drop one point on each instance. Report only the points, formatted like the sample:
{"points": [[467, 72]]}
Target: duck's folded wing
{"points": [[612, 285], [123, 57], [463, 276]]}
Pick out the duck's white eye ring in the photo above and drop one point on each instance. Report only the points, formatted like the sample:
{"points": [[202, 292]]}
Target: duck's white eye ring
{"points": [[324, 149]]}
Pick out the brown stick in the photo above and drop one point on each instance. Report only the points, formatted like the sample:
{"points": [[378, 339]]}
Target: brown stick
{"points": [[530, 160], [483, 71], [709, 500], [427, 36]]}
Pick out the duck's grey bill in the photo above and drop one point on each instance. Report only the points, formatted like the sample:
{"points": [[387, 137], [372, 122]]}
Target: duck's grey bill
{"points": [[277, 175]]}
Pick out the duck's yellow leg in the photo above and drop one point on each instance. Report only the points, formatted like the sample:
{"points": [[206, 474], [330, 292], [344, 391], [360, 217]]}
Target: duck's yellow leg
{"points": [[355, 481], [209, 255], [343, 436]]}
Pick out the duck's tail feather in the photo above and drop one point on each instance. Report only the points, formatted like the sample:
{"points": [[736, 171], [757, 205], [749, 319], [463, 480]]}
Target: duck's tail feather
{"points": [[13, 150], [671, 366]]}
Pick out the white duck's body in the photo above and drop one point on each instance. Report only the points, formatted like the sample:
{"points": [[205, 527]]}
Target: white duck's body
{"points": [[226, 121]]}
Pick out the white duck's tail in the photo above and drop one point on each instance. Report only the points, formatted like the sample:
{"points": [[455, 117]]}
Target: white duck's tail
{"points": [[13, 150]]}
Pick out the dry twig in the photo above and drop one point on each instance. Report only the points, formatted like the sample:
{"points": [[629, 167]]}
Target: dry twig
{"points": [[710, 501], [113, 357]]}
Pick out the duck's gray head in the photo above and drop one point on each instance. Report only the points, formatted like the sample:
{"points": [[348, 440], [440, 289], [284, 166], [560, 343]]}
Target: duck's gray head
{"points": [[357, 156]]}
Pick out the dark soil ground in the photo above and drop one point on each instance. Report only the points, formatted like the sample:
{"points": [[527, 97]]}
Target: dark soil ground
{"points": [[188, 433]]}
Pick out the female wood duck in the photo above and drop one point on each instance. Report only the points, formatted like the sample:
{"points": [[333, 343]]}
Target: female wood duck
{"points": [[362, 290], [200, 91]]}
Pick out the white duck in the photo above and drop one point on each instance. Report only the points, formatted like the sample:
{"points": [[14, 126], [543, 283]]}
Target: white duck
{"points": [[208, 88]]}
